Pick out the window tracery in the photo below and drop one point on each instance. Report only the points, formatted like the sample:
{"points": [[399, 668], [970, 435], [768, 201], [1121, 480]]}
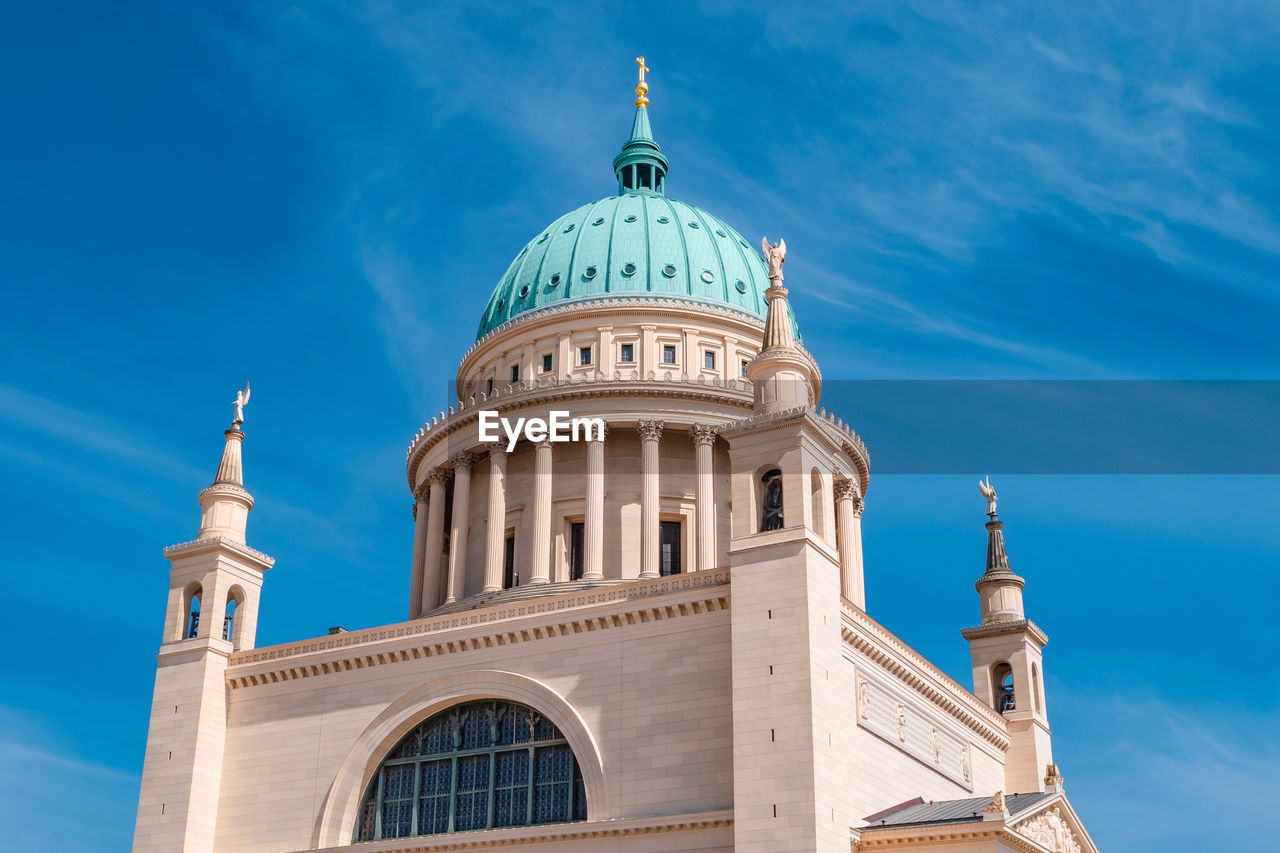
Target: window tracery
{"points": [[478, 765]]}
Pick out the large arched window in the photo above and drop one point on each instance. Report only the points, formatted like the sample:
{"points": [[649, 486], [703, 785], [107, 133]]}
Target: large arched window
{"points": [[474, 766]]}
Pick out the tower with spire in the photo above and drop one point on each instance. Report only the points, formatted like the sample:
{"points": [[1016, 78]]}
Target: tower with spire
{"points": [[1007, 651], [214, 586]]}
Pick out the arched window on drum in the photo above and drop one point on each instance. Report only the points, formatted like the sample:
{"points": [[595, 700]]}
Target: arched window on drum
{"points": [[479, 765]]}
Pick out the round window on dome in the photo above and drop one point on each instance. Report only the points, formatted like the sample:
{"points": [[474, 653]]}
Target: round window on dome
{"points": [[707, 276], [669, 271], [543, 238], [664, 220], [589, 273], [500, 302], [628, 269], [721, 233], [569, 227], [555, 279], [629, 218], [693, 225], [598, 221], [524, 291], [740, 286]]}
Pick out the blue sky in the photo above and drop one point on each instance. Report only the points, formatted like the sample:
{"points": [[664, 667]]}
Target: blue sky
{"points": [[320, 198]]}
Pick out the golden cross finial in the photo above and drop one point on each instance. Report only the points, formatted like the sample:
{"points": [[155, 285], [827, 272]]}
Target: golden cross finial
{"points": [[642, 88]]}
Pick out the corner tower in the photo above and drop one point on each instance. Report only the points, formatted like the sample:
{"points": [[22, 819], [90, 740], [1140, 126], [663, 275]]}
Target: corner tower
{"points": [[791, 684], [1007, 651], [214, 584]]}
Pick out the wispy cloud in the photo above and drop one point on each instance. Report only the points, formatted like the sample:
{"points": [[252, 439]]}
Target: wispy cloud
{"points": [[93, 433], [1143, 764]]}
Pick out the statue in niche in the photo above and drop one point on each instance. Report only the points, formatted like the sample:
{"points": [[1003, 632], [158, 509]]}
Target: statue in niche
{"points": [[771, 500], [902, 723], [964, 762], [864, 700], [933, 742]]}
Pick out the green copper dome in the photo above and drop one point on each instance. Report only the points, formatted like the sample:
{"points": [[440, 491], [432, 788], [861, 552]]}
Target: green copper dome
{"points": [[637, 243]]}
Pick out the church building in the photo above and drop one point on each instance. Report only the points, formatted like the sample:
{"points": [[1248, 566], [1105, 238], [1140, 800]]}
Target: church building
{"points": [[651, 636]]}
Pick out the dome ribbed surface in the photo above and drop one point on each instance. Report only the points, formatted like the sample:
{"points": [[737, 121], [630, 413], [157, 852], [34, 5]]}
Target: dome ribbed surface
{"points": [[636, 244]]}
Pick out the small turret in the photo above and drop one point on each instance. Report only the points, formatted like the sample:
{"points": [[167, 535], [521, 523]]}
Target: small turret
{"points": [[1007, 651], [784, 376], [225, 505], [999, 588]]}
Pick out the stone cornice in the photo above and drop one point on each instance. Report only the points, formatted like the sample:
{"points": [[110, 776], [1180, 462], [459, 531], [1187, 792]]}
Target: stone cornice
{"points": [[531, 619], [941, 834], [519, 836], [872, 639], [195, 546], [997, 628], [840, 435]]}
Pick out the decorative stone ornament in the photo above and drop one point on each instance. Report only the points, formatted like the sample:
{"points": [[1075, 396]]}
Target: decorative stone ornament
{"points": [[1050, 830], [997, 809]]}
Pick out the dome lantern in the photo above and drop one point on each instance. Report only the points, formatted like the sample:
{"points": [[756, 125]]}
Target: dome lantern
{"points": [[641, 165]]}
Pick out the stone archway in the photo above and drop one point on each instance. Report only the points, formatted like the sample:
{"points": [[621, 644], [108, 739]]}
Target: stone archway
{"points": [[336, 821]]}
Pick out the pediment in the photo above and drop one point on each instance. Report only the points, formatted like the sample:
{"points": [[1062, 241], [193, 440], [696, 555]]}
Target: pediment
{"points": [[1056, 828]]}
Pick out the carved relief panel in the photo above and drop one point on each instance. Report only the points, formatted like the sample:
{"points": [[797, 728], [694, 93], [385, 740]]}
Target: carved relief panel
{"points": [[1049, 829], [897, 718]]}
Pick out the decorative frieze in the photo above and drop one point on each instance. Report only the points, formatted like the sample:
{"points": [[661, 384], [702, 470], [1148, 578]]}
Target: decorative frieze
{"points": [[1049, 829], [865, 636], [901, 721]]}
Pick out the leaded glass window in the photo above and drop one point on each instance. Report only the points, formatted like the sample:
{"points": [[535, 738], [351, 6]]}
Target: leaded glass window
{"points": [[475, 766]]}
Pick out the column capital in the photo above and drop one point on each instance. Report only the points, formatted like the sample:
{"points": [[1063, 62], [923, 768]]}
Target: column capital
{"points": [[495, 448], [604, 328], [650, 430], [857, 507], [413, 508], [421, 492], [604, 435], [846, 489], [462, 460], [438, 474], [648, 327], [705, 433], [545, 444]]}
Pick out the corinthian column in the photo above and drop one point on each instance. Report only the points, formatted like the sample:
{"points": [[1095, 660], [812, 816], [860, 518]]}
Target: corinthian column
{"points": [[462, 463], [704, 438], [593, 530], [541, 557], [433, 549], [419, 550], [650, 435], [849, 540], [494, 550]]}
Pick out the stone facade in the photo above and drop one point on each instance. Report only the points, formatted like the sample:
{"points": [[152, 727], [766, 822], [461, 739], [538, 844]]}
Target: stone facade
{"points": [[717, 678]]}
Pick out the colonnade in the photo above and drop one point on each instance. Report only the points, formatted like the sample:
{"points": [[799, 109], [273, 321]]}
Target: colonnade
{"points": [[438, 581]]}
